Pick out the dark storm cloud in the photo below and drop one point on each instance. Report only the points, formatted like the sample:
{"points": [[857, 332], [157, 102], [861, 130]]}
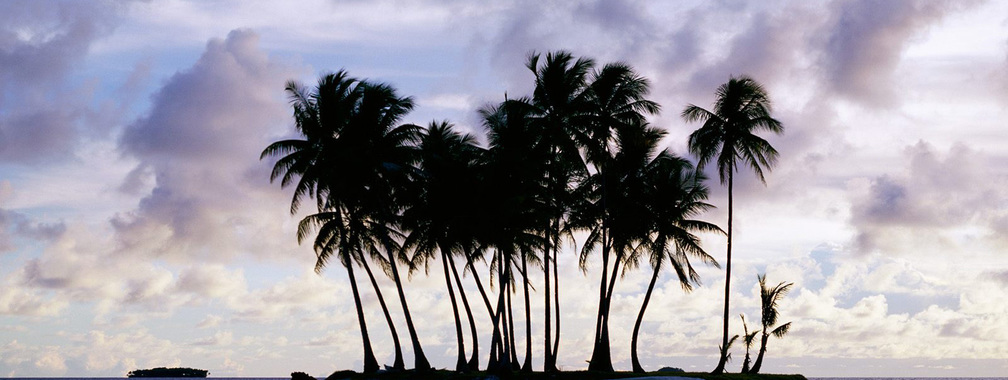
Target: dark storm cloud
{"points": [[197, 146], [864, 40]]}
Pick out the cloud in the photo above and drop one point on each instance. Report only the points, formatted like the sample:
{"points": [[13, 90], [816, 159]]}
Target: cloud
{"points": [[864, 40], [18, 301], [939, 200], [42, 111], [199, 145]]}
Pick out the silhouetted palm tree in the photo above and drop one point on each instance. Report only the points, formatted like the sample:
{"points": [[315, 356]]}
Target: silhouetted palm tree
{"points": [[675, 194], [512, 176], [319, 118], [748, 339], [560, 104], [617, 100], [769, 298], [371, 178], [438, 216], [728, 135]]}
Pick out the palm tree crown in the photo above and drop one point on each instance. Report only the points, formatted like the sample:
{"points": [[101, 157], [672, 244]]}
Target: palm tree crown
{"points": [[728, 132]]}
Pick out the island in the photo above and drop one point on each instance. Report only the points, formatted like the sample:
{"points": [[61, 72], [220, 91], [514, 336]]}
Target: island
{"points": [[168, 372]]}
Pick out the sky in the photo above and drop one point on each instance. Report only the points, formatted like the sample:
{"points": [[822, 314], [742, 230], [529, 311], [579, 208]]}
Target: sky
{"points": [[138, 227]]}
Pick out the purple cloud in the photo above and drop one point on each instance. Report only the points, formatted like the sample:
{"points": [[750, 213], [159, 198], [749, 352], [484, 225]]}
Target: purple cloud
{"points": [[864, 41], [41, 44], [198, 144]]}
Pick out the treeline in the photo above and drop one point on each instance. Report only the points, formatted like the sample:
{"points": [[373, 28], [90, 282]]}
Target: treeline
{"points": [[578, 155]]}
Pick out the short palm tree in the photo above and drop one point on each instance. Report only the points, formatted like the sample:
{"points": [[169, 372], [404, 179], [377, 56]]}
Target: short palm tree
{"points": [[769, 298], [748, 339], [728, 136], [675, 194]]}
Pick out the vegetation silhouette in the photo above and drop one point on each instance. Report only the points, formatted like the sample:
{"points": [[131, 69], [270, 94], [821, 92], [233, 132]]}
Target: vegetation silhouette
{"points": [[728, 134], [577, 156], [768, 309], [747, 339]]}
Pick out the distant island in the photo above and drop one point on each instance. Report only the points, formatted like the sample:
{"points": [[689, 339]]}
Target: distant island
{"points": [[168, 372]]}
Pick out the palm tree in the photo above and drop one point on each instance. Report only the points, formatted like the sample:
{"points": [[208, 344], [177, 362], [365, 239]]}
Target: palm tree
{"points": [[372, 176], [748, 339], [675, 194], [437, 217], [559, 99], [617, 100], [319, 117], [512, 180], [728, 134], [769, 298], [356, 163]]}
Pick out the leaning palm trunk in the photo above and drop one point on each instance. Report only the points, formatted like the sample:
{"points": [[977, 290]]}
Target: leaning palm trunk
{"points": [[494, 317], [511, 328], [601, 359], [473, 363], [419, 359], [460, 364], [640, 317], [370, 363], [604, 343], [398, 364], [759, 357]]}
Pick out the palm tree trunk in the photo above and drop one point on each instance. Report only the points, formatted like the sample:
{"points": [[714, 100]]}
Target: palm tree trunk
{"points": [[499, 357], [556, 299], [420, 362], [605, 351], [727, 287], [495, 340], [549, 363], [600, 351], [473, 363], [640, 317], [503, 354], [370, 363], [511, 328], [460, 364], [398, 365], [527, 366], [759, 357]]}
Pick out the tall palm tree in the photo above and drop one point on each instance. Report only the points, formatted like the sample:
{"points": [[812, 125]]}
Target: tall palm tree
{"points": [[675, 194], [319, 118], [728, 134], [748, 339], [372, 176], [356, 169], [769, 298], [512, 179], [616, 100], [437, 216], [559, 99]]}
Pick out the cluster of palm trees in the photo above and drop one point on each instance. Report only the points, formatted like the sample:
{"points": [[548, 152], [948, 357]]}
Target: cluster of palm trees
{"points": [[577, 156]]}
